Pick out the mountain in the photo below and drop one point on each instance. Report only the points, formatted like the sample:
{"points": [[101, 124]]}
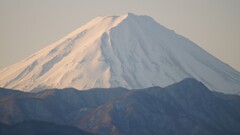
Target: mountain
{"points": [[127, 51], [39, 128], [185, 108], [57, 106]]}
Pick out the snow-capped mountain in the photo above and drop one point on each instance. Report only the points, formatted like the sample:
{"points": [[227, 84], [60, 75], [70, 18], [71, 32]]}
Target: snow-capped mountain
{"points": [[120, 51]]}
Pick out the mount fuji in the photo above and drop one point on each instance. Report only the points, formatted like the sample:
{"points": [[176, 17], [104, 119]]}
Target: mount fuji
{"points": [[128, 51]]}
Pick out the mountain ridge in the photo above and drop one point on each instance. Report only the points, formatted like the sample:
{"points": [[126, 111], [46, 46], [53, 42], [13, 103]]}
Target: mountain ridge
{"points": [[187, 107]]}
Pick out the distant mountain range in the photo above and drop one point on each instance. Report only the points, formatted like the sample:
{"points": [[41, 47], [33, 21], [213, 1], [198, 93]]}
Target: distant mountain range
{"points": [[129, 51], [185, 108]]}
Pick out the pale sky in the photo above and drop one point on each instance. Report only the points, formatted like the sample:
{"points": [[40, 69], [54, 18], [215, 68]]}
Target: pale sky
{"points": [[27, 26]]}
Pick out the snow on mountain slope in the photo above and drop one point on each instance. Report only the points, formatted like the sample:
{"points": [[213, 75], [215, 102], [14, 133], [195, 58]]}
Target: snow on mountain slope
{"points": [[128, 51]]}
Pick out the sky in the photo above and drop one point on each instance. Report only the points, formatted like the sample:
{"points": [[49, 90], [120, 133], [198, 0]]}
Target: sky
{"points": [[26, 26]]}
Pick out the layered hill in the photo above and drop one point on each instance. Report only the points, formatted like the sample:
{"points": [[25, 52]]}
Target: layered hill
{"points": [[128, 51], [184, 108]]}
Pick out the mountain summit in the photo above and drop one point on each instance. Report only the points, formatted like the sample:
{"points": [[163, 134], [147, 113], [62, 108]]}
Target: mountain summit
{"points": [[128, 51]]}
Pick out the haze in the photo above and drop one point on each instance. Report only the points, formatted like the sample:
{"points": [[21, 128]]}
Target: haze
{"points": [[30, 25]]}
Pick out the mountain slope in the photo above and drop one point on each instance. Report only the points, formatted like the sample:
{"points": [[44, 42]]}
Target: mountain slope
{"points": [[57, 106], [187, 107], [120, 51]]}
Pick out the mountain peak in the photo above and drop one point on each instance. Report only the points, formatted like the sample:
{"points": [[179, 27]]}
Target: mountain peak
{"points": [[128, 14], [189, 86], [128, 51]]}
